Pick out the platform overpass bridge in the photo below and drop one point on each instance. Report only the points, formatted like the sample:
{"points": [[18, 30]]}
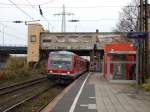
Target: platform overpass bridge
{"points": [[82, 43]]}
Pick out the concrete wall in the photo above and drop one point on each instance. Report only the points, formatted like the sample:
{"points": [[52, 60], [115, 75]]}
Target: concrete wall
{"points": [[33, 52], [68, 41], [79, 40]]}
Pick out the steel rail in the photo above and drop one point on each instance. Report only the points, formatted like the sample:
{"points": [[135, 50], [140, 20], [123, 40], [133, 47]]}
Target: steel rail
{"points": [[41, 108], [28, 99], [12, 88], [20, 103]]}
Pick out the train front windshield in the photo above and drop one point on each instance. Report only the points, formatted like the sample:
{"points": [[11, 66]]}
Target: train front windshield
{"points": [[60, 61]]}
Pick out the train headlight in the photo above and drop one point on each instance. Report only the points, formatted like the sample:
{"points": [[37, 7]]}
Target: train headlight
{"points": [[68, 72], [51, 71]]}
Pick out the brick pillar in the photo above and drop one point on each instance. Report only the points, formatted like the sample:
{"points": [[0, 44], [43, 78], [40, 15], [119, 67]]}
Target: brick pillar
{"points": [[33, 52]]}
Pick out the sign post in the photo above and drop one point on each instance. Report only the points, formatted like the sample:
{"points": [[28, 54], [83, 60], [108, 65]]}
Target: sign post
{"points": [[137, 66], [137, 36]]}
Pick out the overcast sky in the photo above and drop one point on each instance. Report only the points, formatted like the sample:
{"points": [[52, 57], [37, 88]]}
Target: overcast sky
{"points": [[92, 15]]}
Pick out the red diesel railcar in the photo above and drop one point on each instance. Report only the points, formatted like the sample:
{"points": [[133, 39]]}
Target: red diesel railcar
{"points": [[65, 65]]}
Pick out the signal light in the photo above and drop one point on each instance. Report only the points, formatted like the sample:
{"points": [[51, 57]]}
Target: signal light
{"points": [[68, 72]]}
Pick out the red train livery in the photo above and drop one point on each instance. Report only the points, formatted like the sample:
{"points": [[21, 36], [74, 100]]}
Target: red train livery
{"points": [[65, 65]]}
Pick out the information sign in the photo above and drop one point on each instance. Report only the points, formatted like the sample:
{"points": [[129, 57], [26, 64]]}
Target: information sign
{"points": [[137, 35]]}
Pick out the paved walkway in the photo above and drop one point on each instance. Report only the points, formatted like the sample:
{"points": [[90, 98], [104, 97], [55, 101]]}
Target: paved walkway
{"points": [[90, 93], [118, 97]]}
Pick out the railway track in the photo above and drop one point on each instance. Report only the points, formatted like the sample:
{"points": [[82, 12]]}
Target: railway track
{"points": [[51, 94], [22, 105], [16, 98], [16, 95], [51, 98], [7, 90]]}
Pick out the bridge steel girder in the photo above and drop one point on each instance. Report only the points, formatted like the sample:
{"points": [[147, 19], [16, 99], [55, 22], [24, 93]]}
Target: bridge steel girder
{"points": [[13, 50], [44, 53], [78, 52]]}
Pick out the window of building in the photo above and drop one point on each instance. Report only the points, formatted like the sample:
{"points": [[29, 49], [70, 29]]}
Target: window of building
{"points": [[33, 38], [47, 40], [60, 39], [73, 38]]}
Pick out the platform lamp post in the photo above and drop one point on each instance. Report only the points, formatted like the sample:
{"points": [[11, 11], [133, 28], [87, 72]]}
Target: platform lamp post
{"points": [[3, 35], [137, 36]]}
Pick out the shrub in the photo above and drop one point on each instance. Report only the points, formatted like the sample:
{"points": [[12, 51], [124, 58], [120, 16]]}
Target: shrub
{"points": [[17, 69], [12, 68], [146, 85]]}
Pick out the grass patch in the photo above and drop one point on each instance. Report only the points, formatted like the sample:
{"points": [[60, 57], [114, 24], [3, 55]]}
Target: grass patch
{"points": [[17, 70], [146, 85], [132, 85]]}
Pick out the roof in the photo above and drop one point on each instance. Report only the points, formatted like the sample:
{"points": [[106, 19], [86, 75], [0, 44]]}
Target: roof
{"points": [[119, 47], [62, 52], [121, 52]]}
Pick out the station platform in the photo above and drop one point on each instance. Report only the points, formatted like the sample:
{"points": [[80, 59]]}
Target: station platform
{"points": [[90, 93]]}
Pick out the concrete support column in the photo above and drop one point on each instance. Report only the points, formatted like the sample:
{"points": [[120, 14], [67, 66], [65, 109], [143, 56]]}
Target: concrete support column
{"points": [[95, 61]]}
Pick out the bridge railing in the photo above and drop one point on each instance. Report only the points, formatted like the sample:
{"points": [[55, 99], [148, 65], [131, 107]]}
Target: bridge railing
{"points": [[69, 46], [12, 45]]}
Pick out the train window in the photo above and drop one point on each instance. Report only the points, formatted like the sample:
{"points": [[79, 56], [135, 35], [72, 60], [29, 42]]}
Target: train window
{"points": [[60, 62], [73, 36]]}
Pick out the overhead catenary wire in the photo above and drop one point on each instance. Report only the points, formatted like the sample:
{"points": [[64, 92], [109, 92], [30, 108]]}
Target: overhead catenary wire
{"points": [[41, 12], [30, 3], [11, 28], [50, 1], [21, 9], [12, 35], [44, 3], [100, 19], [81, 20], [76, 7]]}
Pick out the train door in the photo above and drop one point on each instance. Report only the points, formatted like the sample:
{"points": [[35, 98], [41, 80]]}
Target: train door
{"points": [[118, 68], [119, 71], [75, 65]]}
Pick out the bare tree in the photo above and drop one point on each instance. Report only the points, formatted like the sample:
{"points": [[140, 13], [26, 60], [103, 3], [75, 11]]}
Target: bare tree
{"points": [[128, 17]]}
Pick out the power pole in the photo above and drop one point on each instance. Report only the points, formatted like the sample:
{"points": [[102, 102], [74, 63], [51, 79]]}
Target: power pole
{"points": [[143, 27], [146, 41], [140, 28], [63, 14], [3, 35]]}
